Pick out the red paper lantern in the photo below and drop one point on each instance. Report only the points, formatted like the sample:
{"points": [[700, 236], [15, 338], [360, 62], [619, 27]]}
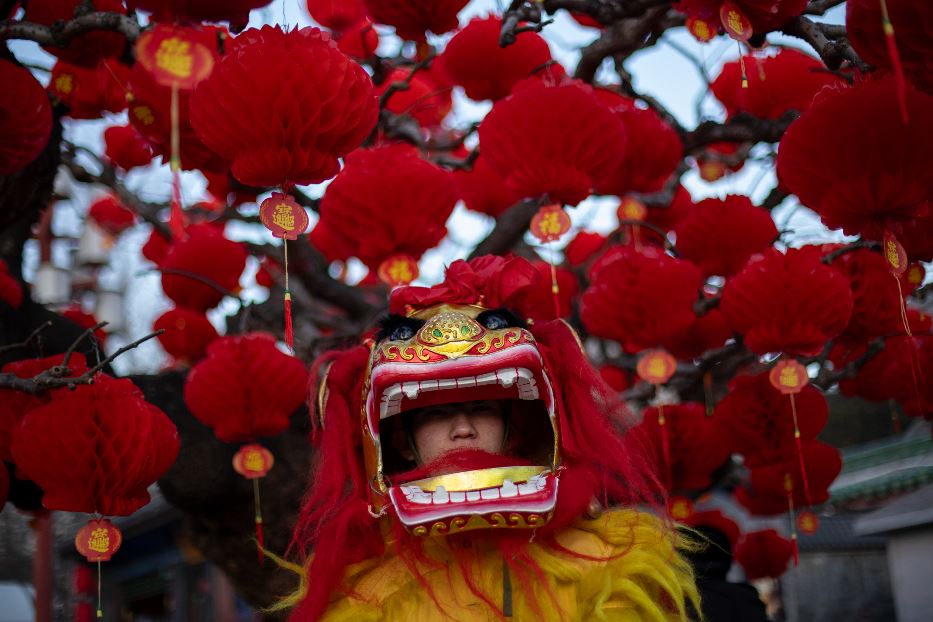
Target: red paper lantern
{"points": [[696, 445], [411, 18], [583, 246], [283, 106], [25, 118], [187, 333], [246, 388], [652, 148], [89, 92], [205, 255], [876, 308], [558, 140], [474, 59], [126, 148], [912, 22], [11, 290], [86, 49], [898, 372], [759, 419], [96, 449], [14, 405], [234, 11], [763, 554], [111, 215], [426, 100], [865, 182], [719, 235], [336, 14], [387, 201], [639, 298], [483, 190], [788, 303], [769, 486], [774, 85]]}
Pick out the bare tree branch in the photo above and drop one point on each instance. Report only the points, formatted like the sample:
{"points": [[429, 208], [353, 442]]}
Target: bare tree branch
{"points": [[57, 377], [61, 33], [742, 128], [829, 41]]}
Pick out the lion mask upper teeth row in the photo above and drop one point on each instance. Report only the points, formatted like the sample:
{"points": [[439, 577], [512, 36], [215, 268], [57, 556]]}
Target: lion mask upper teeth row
{"points": [[519, 377]]}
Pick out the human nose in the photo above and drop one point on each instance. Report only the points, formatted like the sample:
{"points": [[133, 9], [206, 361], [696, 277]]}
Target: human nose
{"points": [[462, 428]]}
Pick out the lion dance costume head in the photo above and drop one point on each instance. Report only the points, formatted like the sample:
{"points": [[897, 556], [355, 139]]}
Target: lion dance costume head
{"points": [[463, 340]]}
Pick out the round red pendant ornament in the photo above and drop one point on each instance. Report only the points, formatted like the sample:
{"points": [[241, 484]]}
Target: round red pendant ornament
{"points": [[680, 508], [734, 21], [98, 540], [632, 209], [789, 376], [894, 254], [253, 461], [702, 30], [550, 223], [656, 366], [175, 56], [282, 215], [808, 522], [398, 270]]}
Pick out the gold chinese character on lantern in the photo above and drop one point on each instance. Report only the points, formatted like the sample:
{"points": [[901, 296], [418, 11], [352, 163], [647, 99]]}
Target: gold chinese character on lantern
{"points": [[144, 114], [632, 209], [284, 217], [64, 83], [398, 270], [99, 540], [656, 366], [789, 376], [549, 223], [174, 56], [253, 461], [735, 22]]}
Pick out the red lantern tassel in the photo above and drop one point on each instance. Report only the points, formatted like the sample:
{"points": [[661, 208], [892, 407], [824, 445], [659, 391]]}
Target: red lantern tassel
{"points": [[555, 291], [797, 440], [260, 536], [895, 56], [665, 447], [176, 220], [289, 329]]}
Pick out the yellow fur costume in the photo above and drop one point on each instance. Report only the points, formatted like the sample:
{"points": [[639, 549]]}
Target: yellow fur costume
{"points": [[638, 577]]}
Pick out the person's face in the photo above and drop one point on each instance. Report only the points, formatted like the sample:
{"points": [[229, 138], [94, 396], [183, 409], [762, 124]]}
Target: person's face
{"points": [[439, 429]]}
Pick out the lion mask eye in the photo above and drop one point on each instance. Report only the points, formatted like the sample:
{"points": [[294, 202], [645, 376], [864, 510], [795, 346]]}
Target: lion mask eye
{"points": [[497, 319], [398, 328]]}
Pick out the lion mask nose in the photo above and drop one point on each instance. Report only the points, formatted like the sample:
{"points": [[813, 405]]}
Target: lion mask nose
{"points": [[449, 327]]}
